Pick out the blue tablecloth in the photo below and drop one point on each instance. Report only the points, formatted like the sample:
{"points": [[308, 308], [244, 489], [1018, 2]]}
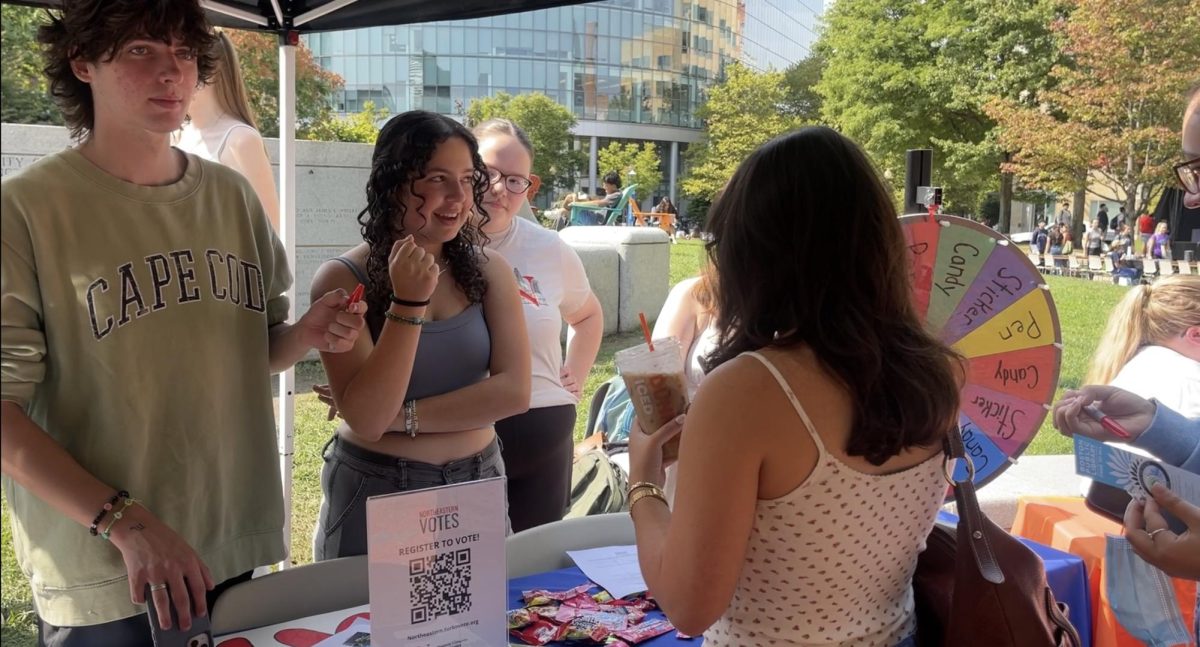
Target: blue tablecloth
{"points": [[568, 578], [1065, 572]]}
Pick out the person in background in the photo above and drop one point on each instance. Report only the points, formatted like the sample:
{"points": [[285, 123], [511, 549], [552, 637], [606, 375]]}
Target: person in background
{"points": [[1159, 245], [1151, 345], [143, 302], [1064, 214], [612, 195], [553, 288], [1145, 225], [1170, 437], [1039, 241], [1102, 216], [1121, 218], [221, 127], [447, 355], [1121, 246], [1094, 239], [825, 437]]}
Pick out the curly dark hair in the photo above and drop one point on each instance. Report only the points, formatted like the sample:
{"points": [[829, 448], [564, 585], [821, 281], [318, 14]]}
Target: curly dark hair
{"points": [[782, 284], [405, 145], [93, 30]]}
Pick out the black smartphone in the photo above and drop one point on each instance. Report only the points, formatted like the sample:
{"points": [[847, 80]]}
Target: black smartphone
{"points": [[200, 635], [1109, 501]]}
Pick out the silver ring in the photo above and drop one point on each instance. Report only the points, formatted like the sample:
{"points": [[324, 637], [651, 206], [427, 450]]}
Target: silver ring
{"points": [[1154, 532], [157, 587]]}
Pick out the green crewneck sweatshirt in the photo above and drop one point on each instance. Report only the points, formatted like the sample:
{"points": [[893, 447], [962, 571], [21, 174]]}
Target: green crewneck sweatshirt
{"points": [[135, 333]]}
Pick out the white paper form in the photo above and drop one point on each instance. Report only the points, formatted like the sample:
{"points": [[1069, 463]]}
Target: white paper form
{"points": [[614, 568]]}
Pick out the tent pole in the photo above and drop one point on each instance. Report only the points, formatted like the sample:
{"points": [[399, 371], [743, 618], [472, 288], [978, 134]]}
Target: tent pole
{"points": [[287, 222]]}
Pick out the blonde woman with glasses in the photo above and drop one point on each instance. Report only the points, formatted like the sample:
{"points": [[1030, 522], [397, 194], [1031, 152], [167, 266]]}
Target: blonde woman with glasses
{"points": [[221, 127]]}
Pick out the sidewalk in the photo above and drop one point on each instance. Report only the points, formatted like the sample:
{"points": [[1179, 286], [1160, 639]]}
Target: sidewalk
{"points": [[1030, 476]]}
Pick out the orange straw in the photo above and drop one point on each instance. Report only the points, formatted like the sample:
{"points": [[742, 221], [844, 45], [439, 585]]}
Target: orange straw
{"points": [[646, 330]]}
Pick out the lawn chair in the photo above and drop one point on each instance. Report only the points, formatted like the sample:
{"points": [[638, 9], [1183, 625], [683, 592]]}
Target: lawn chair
{"points": [[666, 221], [597, 215]]}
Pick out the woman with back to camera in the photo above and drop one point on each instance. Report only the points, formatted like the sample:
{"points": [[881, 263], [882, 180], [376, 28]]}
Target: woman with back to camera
{"points": [[553, 289], [221, 127], [447, 355], [823, 414]]}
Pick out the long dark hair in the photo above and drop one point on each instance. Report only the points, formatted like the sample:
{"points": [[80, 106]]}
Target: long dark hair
{"points": [[809, 251], [402, 152]]}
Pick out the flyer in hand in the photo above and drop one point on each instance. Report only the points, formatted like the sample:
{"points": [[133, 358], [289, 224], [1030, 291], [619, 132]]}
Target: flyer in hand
{"points": [[1133, 473], [436, 564]]}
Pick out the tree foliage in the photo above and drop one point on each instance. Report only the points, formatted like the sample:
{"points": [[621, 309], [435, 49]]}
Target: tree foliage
{"points": [[904, 74], [740, 114], [1115, 108], [548, 125], [258, 57], [362, 127], [801, 100], [635, 164], [24, 93]]}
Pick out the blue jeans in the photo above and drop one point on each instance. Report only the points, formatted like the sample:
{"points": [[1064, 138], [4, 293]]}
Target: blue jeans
{"points": [[352, 474]]}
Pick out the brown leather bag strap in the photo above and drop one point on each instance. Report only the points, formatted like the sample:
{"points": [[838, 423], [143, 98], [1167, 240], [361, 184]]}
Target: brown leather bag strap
{"points": [[969, 512]]}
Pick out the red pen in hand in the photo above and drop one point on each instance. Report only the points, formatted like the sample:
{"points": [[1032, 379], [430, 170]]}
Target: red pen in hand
{"points": [[356, 295], [1108, 423]]}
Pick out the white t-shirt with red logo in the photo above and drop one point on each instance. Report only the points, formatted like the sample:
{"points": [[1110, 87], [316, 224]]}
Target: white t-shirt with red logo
{"points": [[552, 284]]}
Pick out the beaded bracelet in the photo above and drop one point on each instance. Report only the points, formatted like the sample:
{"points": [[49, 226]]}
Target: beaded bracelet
{"points": [[410, 304], [129, 501], [412, 321], [94, 529]]}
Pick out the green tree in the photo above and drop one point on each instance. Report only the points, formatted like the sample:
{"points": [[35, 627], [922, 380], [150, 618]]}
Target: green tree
{"points": [[740, 114], [1115, 110], [258, 58], [548, 125], [905, 74], [801, 100], [635, 164], [362, 127], [24, 93]]}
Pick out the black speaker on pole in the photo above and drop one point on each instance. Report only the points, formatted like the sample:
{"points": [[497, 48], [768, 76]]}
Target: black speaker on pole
{"points": [[918, 171]]}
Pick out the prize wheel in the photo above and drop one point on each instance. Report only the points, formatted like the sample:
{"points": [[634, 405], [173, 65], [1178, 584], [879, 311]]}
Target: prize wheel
{"points": [[978, 292]]}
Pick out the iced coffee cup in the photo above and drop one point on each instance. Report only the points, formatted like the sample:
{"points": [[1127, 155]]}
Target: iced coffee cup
{"points": [[656, 384]]}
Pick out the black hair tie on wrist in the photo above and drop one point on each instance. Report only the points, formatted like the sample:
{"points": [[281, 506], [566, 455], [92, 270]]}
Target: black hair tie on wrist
{"points": [[409, 304]]}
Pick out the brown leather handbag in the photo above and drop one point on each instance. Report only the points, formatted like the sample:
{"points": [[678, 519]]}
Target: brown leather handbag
{"points": [[978, 585]]}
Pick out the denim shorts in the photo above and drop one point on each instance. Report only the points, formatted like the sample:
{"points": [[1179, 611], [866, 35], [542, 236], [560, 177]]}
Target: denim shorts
{"points": [[352, 474]]}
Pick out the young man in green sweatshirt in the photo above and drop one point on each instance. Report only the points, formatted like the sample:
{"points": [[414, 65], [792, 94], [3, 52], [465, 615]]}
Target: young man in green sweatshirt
{"points": [[143, 311]]}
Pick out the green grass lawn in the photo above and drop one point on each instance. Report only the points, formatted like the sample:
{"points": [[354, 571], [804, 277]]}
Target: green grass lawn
{"points": [[1083, 308]]}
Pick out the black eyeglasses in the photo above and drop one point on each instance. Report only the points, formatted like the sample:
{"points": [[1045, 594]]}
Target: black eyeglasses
{"points": [[1189, 175], [514, 183]]}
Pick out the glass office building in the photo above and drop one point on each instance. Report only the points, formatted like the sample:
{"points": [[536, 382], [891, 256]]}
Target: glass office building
{"points": [[629, 69]]}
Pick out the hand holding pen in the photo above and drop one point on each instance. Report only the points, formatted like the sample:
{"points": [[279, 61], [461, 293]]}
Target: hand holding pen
{"points": [[1105, 413]]}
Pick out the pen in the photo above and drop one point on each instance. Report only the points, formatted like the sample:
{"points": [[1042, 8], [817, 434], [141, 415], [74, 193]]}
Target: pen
{"points": [[1108, 423], [356, 295]]}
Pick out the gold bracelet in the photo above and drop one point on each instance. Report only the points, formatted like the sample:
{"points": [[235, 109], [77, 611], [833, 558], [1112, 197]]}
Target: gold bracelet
{"points": [[646, 485], [646, 494], [412, 321]]}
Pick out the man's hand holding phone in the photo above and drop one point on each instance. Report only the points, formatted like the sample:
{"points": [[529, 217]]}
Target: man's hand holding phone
{"points": [[158, 560]]}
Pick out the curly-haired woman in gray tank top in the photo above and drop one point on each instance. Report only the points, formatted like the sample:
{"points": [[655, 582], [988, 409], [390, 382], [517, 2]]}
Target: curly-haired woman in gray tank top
{"points": [[447, 356]]}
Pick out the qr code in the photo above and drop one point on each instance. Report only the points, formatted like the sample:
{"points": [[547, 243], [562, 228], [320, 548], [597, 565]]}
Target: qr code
{"points": [[440, 585]]}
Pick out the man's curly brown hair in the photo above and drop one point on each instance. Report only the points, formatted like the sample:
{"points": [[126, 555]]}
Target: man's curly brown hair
{"points": [[93, 31]]}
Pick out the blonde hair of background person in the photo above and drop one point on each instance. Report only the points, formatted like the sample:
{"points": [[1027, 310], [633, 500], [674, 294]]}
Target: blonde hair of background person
{"points": [[222, 127], [1165, 313]]}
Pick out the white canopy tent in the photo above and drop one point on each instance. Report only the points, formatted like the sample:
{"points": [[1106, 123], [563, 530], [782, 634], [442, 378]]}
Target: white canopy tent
{"points": [[288, 19]]}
